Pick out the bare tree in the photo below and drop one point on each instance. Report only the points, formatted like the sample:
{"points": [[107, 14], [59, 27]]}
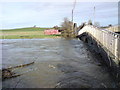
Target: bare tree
{"points": [[97, 24], [90, 22], [68, 28], [56, 27]]}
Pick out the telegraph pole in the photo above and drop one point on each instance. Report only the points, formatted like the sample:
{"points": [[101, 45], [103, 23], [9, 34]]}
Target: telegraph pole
{"points": [[72, 15], [94, 15], [73, 10], [73, 33]]}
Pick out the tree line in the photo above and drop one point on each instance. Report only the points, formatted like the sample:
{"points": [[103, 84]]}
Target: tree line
{"points": [[69, 29]]}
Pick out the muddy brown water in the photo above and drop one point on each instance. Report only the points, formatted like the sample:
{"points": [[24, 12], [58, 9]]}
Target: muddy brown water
{"points": [[59, 63]]}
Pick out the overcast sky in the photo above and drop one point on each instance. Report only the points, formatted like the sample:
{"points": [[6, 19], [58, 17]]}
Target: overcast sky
{"points": [[49, 14]]}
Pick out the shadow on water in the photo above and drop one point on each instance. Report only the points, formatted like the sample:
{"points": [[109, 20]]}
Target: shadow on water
{"points": [[81, 68]]}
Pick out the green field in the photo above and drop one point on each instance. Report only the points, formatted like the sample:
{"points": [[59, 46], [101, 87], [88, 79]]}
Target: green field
{"points": [[27, 33]]}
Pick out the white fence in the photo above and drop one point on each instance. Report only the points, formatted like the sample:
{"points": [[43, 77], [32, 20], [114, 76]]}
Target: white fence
{"points": [[108, 39]]}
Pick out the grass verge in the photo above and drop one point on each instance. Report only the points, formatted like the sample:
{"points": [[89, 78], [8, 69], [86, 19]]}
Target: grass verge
{"points": [[25, 33]]}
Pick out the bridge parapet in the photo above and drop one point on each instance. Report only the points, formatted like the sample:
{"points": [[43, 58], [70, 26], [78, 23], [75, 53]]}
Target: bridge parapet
{"points": [[108, 40]]}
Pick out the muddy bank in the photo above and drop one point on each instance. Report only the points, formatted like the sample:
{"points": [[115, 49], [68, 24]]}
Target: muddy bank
{"points": [[58, 63]]}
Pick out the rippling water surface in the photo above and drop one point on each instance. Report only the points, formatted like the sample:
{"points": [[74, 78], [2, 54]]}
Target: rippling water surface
{"points": [[58, 63]]}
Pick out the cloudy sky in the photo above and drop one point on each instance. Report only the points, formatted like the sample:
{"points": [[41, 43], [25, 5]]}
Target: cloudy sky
{"points": [[49, 14]]}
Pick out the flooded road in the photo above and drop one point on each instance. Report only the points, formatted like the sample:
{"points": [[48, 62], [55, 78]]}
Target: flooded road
{"points": [[59, 63]]}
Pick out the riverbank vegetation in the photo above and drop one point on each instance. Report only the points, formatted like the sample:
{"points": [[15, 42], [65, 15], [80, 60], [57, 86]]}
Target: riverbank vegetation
{"points": [[68, 29], [25, 33]]}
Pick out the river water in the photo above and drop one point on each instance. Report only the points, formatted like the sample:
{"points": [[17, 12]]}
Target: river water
{"points": [[59, 63]]}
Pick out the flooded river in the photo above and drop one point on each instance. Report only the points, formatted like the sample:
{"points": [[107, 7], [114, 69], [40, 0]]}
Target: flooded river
{"points": [[59, 63]]}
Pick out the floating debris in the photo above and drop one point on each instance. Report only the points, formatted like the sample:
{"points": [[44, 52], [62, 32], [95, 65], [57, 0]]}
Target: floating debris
{"points": [[7, 72], [22, 65], [51, 66]]}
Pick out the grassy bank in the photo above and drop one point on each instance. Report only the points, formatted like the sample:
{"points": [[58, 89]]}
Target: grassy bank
{"points": [[25, 33]]}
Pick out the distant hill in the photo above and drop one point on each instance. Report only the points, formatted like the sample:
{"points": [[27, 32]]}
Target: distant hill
{"points": [[26, 29], [22, 33]]}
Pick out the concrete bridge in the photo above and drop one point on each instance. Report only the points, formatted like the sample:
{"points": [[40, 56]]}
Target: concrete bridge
{"points": [[104, 42]]}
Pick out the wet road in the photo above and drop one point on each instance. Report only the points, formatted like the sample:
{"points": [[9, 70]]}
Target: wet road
{"points": [[58, 63]]}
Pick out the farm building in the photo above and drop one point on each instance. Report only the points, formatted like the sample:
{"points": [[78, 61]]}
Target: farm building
{"points": [[51, 32]]}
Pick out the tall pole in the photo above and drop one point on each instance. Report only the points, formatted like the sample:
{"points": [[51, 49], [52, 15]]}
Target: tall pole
{"points": [[73, 10], [73, 18], [94, 15], [72, 15]]}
